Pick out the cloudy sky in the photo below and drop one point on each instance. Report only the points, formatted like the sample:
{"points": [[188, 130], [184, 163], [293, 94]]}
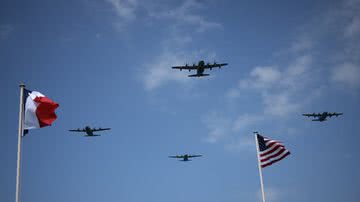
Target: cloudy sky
{"points": [[107, 63]]}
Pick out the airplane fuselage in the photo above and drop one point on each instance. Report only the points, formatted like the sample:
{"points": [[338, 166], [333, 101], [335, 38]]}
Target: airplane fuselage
{"points": [[186, 158], [322, 117], [88, 131], [200, 70]]}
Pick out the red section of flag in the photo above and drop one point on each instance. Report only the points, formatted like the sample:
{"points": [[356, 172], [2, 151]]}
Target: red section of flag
{"points": [[274, 161], [270, 151], [45, 111]]}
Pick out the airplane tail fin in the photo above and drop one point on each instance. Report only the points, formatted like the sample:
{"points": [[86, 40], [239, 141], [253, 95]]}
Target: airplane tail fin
{"points": [[198, 75], [92, 135]]}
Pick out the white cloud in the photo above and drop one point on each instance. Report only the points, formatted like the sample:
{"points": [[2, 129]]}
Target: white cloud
{"points": [[297, 74], [266, 77], [279, 91], [219, 127], [302, 44], [261, 77], [173, 50], [280, 104], [173, 53], [5, 31], [298, 68], [245, 120], [232, 93], [160, 72], [125, 10], [277, 88], [353, 28], [185, 14], [246, 142], [352, 11], [347, 74]]}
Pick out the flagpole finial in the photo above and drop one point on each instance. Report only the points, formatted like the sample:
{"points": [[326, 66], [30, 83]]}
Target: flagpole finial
{"points": [[22, 85], [255, 132]]}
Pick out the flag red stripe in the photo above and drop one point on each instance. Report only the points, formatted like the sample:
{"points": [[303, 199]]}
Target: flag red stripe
{"points": [[270, 144], [274, 161], [45, 111], [271, 150], [274, 155]]}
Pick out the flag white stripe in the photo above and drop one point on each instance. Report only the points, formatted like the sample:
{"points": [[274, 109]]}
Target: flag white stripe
{"points": [[270, 148], [272, 153], [30, 120], [267, 143], [276, 158]]}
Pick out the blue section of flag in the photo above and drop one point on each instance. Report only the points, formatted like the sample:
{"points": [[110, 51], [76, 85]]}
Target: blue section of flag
{"points": [[25, 96], [261, 141]]}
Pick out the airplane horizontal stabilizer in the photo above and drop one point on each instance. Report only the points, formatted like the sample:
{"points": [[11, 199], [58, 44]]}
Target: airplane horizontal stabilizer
{"points": [[198, 75]]}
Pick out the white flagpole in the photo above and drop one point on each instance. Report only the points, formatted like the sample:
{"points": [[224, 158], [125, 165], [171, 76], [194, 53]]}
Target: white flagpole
{"points": [[259, 165], [20, 133]]}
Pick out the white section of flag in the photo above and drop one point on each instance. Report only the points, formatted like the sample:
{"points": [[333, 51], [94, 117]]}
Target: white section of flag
{"points": [[31, 121], [275, 151]]}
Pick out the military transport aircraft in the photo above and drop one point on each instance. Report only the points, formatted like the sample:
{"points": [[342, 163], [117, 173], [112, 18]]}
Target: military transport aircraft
{"points": [[200, 68], [322, 116], [89, 131], [185, 157]]}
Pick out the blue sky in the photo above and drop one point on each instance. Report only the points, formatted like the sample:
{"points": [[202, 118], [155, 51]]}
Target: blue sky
{"points": [[107, 63]]}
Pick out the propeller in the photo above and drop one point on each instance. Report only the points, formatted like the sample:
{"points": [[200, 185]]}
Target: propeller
{"points": [[217, 64]]}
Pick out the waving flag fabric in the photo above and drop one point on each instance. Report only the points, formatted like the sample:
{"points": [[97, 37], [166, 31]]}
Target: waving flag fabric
{"points": [[271, 151], [39, 110]]}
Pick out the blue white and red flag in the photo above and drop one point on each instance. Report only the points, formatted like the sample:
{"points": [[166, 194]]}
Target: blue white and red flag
{"points": [[270, 151], [39, 110]]}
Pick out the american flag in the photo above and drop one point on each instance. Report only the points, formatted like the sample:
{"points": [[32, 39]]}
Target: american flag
{"points": [[271, 151]]}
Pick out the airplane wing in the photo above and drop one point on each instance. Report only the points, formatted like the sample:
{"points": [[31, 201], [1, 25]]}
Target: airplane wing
{"points": [[210, 66], [192, 156], [187, 67], [78, 130], [100, 129], [177, 156], [334, 114], [313, 114]]}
